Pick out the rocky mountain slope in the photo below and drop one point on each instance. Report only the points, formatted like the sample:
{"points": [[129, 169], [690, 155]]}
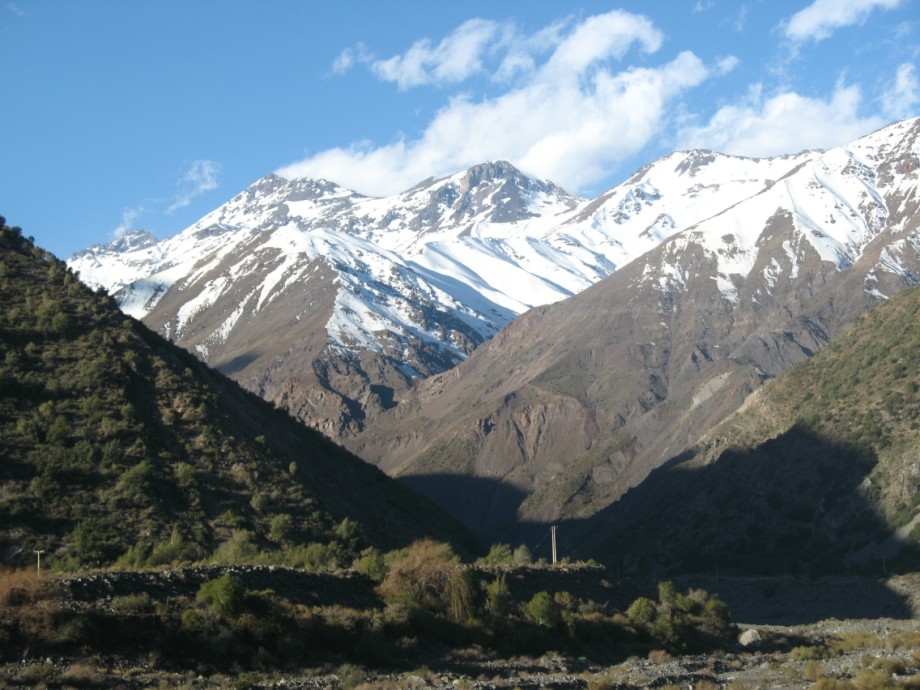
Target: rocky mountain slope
{"points": [[332, 304], [574, 403], [818, 471], [116, 443], [387, 322]]}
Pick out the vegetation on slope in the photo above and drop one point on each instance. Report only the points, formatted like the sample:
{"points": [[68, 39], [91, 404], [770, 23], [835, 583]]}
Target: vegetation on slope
{"points": [[427, 605], [862, 393], [114, 444]]}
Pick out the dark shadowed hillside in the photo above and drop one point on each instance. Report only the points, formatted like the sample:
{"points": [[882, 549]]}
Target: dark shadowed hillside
{"points": [[818, 472], [115, 443]]}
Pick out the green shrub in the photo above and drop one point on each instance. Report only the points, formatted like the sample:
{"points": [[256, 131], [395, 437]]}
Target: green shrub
{"points": [[522, 555], [873, 679], [371, 563], [136, 483], [174, 550], [465, 594], [499, 554], [498, 597], [348, 532], [543, 610], [351, 676], [223, 595], [134, 557], [88, 541], [132, 604], [642, 611], [318, 557], [809, 653], [239, 548], [282, 528]]}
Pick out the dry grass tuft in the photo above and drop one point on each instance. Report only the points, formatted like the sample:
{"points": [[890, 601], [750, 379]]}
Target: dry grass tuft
{"points": [[19, 587]]}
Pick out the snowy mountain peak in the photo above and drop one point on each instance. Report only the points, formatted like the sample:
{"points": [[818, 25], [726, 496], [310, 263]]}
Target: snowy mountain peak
{"points": [[501, 173], [421, 278], [132, 240]]}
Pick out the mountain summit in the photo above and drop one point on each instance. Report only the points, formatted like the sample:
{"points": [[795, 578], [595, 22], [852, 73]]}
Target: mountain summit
{"points": [[574, 403], [652, 311], [333, 304]]}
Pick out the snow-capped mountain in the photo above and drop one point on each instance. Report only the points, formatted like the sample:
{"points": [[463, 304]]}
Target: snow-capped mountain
{"points": [[331, 303], [574, 403]]}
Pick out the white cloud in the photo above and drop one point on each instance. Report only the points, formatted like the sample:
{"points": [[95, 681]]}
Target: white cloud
{"points": [[902, 99], [726, 64], [822, 17], [455, 58], [128, 218], [783, 123], [522, 51], [200, 177], [344, 61], [602, 37], [348, 57], [740, 19], [571, 117], [15, 9]]}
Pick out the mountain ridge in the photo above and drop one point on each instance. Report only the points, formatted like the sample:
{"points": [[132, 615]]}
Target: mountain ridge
{"points": [[582, 399], [117, 443], [685, 288], [425, 276]]}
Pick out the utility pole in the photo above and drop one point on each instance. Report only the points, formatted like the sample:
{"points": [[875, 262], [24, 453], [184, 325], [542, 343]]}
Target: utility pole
{"points": [[552, 531], [38, 554]]}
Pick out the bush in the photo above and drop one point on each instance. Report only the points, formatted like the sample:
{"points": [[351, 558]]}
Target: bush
{"points": [[371, 564], [239, 548], [174, 550], [136, 483], [132, 604], [807, 653], [18, 587], [88, 541], [642, 611], [499, 554], [544, 610], [316, 557], [351, 676], [348, 532], [224, 596], [428, 574], [282, 528], [873, 679], [498, 597], [522, 555]]}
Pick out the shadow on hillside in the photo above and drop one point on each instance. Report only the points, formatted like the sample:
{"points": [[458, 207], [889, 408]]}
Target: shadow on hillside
{"points": [[487, 507], [793, 510], [237, 364], [795, 505]]}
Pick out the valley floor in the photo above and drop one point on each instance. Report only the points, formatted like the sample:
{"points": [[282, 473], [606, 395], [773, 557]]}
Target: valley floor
{"points": [[881, 659], [799, 646]]}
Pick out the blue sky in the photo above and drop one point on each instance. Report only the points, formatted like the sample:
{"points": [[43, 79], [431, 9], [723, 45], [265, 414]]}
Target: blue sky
{"points": [[121, 114]]}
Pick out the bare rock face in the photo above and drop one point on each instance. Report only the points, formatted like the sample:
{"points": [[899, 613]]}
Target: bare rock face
{"points": [[575, 403], [489, 333]]}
